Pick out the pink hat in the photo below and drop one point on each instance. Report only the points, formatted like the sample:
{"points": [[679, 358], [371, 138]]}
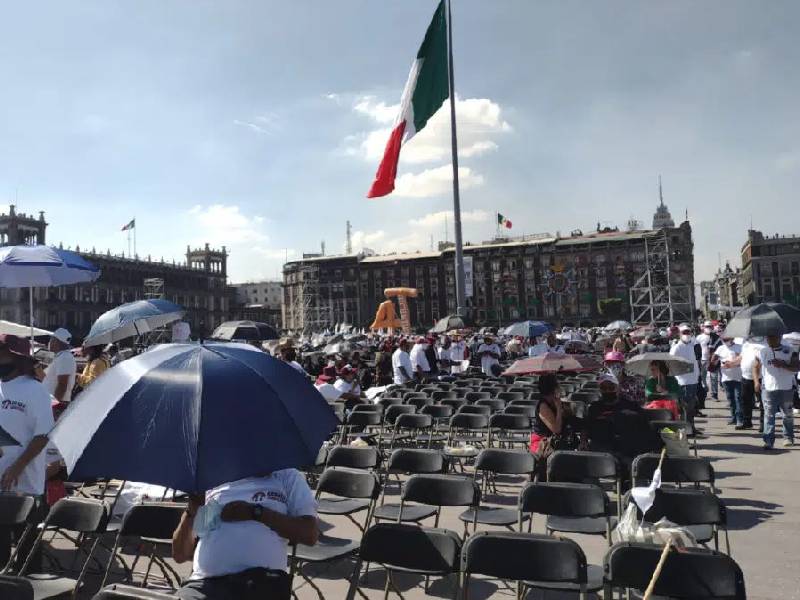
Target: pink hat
{"points": [[614, 356]]}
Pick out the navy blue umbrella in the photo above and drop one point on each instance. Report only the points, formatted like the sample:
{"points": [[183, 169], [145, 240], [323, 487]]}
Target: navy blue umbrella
{"points": [[191, 417], [528, 329], [132, 319]]}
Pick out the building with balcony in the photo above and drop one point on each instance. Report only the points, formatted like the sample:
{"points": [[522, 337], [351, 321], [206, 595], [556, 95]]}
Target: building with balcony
{"points": [[770, 268]]}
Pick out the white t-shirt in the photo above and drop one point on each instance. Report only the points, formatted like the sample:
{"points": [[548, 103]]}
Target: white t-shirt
{"points": [[328, 391], [444, 354], [726, 353], [235, 547], [544, 348], [347, 388], [418, 358], [684, 350], [750, 351], [486, 360], [457, 351], [774, 378], [25, 412], [63, 364], [401, 359], [704, 339]]}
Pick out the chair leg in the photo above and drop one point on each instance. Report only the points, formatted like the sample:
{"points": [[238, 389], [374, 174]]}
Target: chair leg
{"points": [[353, 588], [387, 584], [110, 560]]}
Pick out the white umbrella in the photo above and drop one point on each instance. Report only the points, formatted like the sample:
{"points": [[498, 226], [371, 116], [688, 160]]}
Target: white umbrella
{"points": [[43, 266], [9, 327], [618, 326], [640, 364]]}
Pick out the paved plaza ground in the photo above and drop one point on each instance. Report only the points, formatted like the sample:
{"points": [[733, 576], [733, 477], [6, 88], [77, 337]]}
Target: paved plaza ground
{"points": [[760, 490]]}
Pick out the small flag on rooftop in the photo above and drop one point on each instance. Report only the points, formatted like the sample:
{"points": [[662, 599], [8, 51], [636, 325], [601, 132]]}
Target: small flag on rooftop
{"points": [[130, 225], [503, 222]]}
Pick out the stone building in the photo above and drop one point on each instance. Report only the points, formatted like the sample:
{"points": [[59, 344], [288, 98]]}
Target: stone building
{"points": [[199, 284], [260, 301], [579, 279], [770, 268]]}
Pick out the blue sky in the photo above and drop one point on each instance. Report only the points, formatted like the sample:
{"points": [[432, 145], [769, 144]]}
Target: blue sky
{"points": [[259, 124]]}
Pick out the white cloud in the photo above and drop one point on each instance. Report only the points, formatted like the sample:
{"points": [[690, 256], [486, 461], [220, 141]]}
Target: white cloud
{"points": [[438, 219], [363, 239], [265, 124], [479, 120], [435, 182]]}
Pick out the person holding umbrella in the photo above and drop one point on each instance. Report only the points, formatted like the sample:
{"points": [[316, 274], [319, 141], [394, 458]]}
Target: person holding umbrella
{"points": [[662, 390], [778, 365]]}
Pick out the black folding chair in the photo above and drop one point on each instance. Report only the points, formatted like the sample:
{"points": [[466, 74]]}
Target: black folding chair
{"points": [[440, 395], [14, 512], [438, 491], [353, 457], [472, 397], [150, 525], [409, 427], [494, 404], [508, 429], [407, 549], [569, 507], [675, 469], [534, 561], [586, 467], [688, 574], [490, 463], [408, 461]]}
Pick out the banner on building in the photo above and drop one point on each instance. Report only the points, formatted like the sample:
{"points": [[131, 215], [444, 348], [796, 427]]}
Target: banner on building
{"points": [[468, 277]]}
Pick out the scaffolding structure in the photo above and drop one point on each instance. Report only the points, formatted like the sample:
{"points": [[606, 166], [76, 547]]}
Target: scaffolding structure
{"points": [[153, 288], [654, 300], [305, 306]]}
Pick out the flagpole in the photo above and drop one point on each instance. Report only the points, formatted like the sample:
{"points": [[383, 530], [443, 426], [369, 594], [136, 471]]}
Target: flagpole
{"points": [[461, 308], [128, 231], [134, 238]]}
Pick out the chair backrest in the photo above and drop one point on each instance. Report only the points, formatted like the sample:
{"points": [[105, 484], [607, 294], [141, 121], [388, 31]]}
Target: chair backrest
{"points": [[364, 418], [413, 421], [505, 462], [657, 414], [353, 457], [690, 573], [687, 507], [469, 420], [564, 499], [156, 520], [455, 403], [475, 396], [391, 414], [418, 403], [509, 396], [368, 408], [80, 515], [475, 409], [524, 410], [674, 469], [415, 460], [411, 547], [387, 402], [408, 395], [14, 509], [127, 592], [584, 396], [15, 588], [437, 411], [441, 490], [571, 465], [443, 395], [523, 556], [348, 483], [510, 422], [494, 404]]}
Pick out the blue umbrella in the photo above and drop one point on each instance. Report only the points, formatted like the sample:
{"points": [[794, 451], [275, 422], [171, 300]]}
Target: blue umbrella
{"points": [[43, 266], [191, 417], [131, 319], [528, 329]]}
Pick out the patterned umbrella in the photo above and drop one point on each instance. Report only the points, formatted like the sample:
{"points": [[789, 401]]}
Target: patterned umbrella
{"points": [[552, 362]]}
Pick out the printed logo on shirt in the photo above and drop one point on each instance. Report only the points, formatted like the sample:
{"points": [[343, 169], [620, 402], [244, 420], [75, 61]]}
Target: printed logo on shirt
{"points": [[269, 495], [13, 405]]}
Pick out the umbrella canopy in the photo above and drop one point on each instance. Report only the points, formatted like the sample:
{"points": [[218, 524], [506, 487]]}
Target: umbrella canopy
{"points": [[617, 326], [250, 331], [192, 416], [43, 266], [528, 329], [339, 348], [131, 319], [640, 364], [552, 362], [8, 327], [772, 318], [450, 322], [6, 439]]}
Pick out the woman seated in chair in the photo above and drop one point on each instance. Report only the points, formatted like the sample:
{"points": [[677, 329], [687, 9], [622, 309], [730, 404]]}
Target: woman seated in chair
{"points": [[549, 419], [661, 389]]}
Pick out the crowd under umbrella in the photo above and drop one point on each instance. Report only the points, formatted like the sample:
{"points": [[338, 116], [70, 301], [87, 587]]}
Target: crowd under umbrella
{"points": [[552, 362], [770, 318], [193, 416], [133, 319], [528, 329], [640, 364], [43, 266]]}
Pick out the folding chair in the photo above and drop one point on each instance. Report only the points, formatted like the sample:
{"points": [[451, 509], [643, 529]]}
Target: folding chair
{"points": [[418, 403], [126, 592], [440, 395], [353, 457], [408, 461], [688, 574], [413, 424], [472, 397], [407, 549], [154, 525], [586, 467], [509, 396], [674, 469], [364, 420], [509, 429], [440, 413], [492, 462], [532, 560], [494, 404], [439, 491], [475, 409], [528, 410], [14, 511], [569, 507]]}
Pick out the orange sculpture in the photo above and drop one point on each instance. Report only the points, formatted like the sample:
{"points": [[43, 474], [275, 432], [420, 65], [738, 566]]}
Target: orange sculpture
{"points": [[386, 316]]}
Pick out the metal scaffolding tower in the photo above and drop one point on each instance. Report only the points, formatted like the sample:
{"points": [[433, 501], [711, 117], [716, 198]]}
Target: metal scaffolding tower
{"points": [[153, 288], [654, 300], [305, 311]]}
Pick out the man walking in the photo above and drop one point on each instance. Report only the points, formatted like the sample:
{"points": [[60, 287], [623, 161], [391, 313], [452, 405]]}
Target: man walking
{"points": [[750, 351], [774, 372], [685, 348], [729, 356]]}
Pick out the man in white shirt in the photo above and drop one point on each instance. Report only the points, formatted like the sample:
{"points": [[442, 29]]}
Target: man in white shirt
{"points": [[704, 339], [750, 351], [241, 549], [550, 345], [348, 386], [774, 373], [443, 353], [324, 384], [402, 371], [59, 376], [458, 354], [729, 357], [489, 353], [419, 361], [288, 354], [685, 348]]}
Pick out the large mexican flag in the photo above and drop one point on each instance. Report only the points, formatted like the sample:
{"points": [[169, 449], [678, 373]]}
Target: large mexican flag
{"points": [[425, 91]]}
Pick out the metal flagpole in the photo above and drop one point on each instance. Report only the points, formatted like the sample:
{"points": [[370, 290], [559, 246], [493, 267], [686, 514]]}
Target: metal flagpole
{"points": [[134, 237], [460, 300]]}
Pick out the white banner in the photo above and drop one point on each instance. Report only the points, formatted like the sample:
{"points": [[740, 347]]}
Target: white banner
{"points": [[468, 277]]}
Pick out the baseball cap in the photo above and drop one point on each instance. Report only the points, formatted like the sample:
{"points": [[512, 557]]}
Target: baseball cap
{"points": [[16, 345], [62, 335], [607, 378]]}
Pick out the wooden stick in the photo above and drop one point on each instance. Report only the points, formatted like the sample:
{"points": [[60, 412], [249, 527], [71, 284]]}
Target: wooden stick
{"points": [[649, 591], [663, 455]]}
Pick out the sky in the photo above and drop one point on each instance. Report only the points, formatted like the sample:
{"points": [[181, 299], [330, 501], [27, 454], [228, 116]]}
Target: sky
{"points": [[259, 124]]}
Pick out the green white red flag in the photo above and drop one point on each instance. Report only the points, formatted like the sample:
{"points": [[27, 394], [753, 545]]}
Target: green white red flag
{"points": [[131, 224], [503, 222], [426, 89]]}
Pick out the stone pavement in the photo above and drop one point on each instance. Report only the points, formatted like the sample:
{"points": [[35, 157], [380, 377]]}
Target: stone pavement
{"points": [[761, 492]]}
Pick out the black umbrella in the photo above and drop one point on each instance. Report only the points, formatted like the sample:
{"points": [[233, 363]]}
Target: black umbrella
{"points": [[772, 318], [451, 322]]}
